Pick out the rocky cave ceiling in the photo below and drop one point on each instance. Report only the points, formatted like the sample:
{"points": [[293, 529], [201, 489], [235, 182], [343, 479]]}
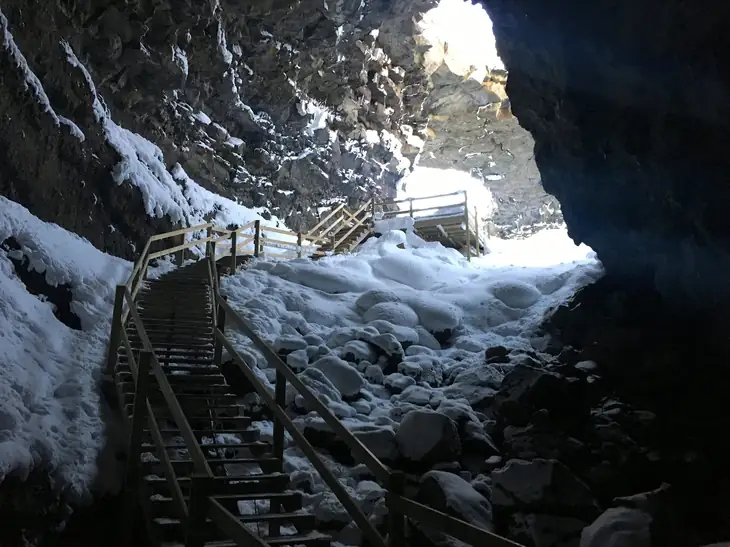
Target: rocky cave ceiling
{"points": [[283, 105], [626, 104]]}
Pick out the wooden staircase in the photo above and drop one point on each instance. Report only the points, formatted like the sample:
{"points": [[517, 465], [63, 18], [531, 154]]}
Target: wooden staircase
{"points": [[176, 312]]}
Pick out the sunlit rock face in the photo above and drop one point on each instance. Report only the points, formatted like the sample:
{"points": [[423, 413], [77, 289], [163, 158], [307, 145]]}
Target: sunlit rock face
{"points": [[470, 125], [628, 107]]}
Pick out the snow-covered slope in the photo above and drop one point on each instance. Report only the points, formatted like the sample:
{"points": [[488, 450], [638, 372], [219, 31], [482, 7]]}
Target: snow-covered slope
{"points": [[398, 327], [50, 414]]}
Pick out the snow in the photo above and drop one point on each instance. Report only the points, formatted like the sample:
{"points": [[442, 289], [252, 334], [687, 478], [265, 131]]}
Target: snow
{"points": [[202, 117], [51, 412], [321, 115], [402, 325]]}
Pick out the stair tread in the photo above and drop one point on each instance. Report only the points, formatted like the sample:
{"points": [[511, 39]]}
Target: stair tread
{"points": [[242, 478]]}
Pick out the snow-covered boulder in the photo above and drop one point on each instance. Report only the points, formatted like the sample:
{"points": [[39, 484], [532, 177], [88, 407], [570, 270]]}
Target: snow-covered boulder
{"points": [[318, 382], [374, 374], [287, 343], [450, 494], [541, 486], [428, 437], [405, 335], [357, 351], [397, 383], [397, 313], [618, 527], [340, 374], [298, 360], [474, 438]]}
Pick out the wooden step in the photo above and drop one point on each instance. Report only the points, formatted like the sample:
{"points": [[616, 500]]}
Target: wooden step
{"points": [[246, 484], [241, 432], [162, 506], [153, 467], [308, 539], [171, 529]]}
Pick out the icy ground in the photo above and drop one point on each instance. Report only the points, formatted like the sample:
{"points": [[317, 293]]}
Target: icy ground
{"points": [[400, 326]]}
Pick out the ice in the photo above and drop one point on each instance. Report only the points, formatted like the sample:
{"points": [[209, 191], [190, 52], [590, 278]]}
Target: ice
{"points": [[52, 412]]}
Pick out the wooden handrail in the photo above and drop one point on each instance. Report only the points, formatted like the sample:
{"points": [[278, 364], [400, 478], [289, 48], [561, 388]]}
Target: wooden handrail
{"points": [[394, 202], [304, 445], [325, 219], [381, 472]]}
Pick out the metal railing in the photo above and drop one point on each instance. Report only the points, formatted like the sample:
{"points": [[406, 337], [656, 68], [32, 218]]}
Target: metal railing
{"points": [[202, 503]]}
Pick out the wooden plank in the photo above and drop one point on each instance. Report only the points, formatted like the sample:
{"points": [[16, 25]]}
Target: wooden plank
{"points": [[167, 235], [424, 197], [324, 220], [188, 245], [278, 231], [457, 528], [267, 241]]}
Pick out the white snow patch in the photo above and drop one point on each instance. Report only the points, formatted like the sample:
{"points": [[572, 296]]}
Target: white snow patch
{"points": [[51, 411]]}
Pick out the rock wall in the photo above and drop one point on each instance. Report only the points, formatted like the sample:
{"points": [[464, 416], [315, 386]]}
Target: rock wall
{"points": [[628, 107], [287, 106]]}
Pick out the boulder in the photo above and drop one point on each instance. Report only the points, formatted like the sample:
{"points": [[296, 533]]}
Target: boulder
{"points": [[526, 389], [427, 437], [619, 527], [344, 377], [450, 494], [542, 486]]}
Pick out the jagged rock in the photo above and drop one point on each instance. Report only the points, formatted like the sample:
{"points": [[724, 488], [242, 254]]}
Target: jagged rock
{"points": [[496, 354], [541, 486], [619, 527], [450, 494], [427, 437], [525, 390]]}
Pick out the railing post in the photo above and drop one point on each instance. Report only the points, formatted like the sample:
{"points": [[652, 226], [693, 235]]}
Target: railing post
{"points": [[397, 524], [476, 229], [111, 356], [180, 255], [280, 398], [200, 489], [299, 244], [133, 476], [468, 229], [372, 212], [410, 204], [220, 325], [233, 251], [257, 238]]}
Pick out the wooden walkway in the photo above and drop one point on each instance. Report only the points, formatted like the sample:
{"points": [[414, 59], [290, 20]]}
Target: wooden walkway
{"points": [[198, 471]]}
